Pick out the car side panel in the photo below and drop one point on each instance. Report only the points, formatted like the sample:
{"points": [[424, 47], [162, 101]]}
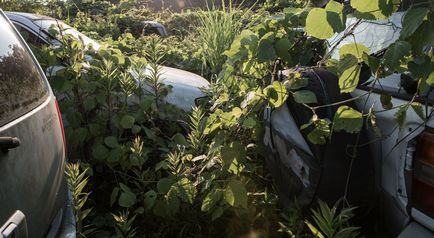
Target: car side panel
{"points": [[32, 174]]}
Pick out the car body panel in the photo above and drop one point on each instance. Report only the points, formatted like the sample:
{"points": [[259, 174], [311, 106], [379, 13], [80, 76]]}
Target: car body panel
{"points": [[33, 179]]}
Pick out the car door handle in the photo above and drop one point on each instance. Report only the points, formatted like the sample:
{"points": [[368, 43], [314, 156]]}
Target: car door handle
{"points": [[15, 227], [7, 143]]}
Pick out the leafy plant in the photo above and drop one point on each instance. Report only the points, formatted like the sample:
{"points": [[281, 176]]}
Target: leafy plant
{"points": [[331, 223], [77, 181]]}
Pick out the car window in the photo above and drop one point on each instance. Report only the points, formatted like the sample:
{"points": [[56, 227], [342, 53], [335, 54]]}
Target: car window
{"points": [[32, 40], [22, 85], [57, 25]]}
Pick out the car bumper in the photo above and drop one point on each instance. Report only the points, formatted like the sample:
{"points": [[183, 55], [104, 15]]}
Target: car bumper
{"points": [[68, 229], [414, 229]]}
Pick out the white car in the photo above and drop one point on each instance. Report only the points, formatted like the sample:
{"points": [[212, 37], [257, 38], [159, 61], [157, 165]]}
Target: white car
{"points": [[394, 174], [186, 86]]}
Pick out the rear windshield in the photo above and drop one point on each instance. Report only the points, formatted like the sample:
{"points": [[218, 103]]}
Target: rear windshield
{"points": [[22, 86]]}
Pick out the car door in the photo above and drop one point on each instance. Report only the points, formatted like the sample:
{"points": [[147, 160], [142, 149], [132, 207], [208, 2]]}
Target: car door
{"points": [[32, 186]]}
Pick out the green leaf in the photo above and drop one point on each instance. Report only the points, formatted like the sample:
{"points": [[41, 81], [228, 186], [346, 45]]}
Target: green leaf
{"points": [[100, 152], [283, 46], [296, 83], [354, 49], [236, 194], [317, 24], [323, 23], [349, 79], [111, 142], [395, 53], [149, 199], [211, 199], [136, 129], [320, 133], [127, 199], [276, 94], [233, 151], [304, 96], [401, 115], [413, 18], [217, 213], [185, 190], [430, 79], [114, 196], [372, 62], [386, 101], [347, 119], [266, 50], [371, 9], [418, 108], [335, 16], [164, 184], [127, 122]]}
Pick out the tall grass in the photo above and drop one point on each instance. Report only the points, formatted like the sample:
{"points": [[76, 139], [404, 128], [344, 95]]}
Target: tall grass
{"points": [[216, 32]]}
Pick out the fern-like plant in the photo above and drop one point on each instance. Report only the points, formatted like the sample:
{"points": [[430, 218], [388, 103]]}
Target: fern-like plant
{"points": [[332, 223], [77, 181]]}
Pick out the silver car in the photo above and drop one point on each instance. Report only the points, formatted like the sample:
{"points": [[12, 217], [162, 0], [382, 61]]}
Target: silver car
{"points": [[394, 174], [186, 86], [33, 190]]}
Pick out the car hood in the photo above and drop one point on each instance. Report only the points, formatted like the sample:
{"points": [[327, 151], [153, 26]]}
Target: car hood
{"points": [[186, 87]]}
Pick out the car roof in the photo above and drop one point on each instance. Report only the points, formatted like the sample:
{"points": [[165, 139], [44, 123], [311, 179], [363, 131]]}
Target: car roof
{"points": [[30, 16]]}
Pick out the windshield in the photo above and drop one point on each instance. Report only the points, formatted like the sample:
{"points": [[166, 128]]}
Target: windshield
{"points": [[47, 24]]}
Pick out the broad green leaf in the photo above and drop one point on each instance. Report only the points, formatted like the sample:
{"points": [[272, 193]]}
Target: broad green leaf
{"points": [[211, 199], [317, 24], [401, 115], [233, 151], [335, 15], [164, 184], [296, 83], [349, 79], [100, 152], [236, 194], [413, 18], [430, 79], [320, 133], [114, 196], [304, 96], [395, 53], [386, 101], [111, 142], [249, 122], [127, 122], [346, 62], [354, 49], [127, 199], [347, 119], [372, 62], [276, 94], [418, 108], [149, 199], [217, 213], [282, 49], [371, 9], [323, 23], [266, 50]]}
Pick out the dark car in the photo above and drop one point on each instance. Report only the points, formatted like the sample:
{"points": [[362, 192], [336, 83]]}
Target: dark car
{"points": [[33, 188]]}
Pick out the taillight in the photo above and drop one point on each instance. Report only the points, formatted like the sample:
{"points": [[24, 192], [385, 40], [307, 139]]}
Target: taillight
{"points": [[423, 174], [61, 125]]}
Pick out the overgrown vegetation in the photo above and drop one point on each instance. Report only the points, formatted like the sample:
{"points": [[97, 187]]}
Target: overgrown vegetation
{"points": [[148, 175]]}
